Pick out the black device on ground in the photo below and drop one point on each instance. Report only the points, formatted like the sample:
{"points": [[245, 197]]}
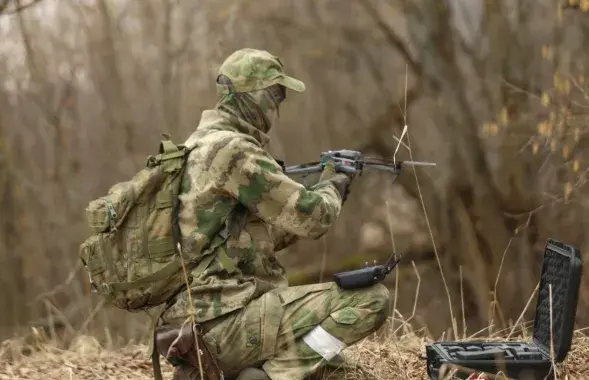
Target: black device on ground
{"points": [[364, 277], [561, 270]]}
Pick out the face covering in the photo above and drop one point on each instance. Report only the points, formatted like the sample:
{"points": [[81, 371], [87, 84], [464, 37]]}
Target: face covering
{"points": [[258, 108]]}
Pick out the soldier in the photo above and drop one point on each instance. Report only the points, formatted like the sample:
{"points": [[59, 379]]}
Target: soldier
{"points": [[254, 325]]}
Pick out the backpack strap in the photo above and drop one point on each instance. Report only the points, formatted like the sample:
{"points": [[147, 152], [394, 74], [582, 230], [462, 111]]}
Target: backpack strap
{"points": [[155, 356], [174, 267], [168, 151]]}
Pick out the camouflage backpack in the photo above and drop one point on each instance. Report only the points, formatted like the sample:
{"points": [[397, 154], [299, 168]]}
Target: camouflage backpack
{"points": [[132, 258]]}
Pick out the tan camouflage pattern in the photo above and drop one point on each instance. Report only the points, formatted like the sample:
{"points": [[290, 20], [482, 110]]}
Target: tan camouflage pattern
{"points": [[135, 240], [269, 331], [229, 167], [252, 107], [253, 69], [249, 313]]}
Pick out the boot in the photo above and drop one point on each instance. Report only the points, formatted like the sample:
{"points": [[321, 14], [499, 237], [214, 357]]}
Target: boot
{"points": [[252, 374], [179, 347]]}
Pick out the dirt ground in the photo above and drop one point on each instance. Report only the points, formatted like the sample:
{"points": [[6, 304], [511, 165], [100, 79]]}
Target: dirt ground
{"points": [[85, 359]]}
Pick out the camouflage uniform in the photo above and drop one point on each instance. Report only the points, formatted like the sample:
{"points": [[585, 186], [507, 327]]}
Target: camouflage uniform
{"points": [[248, 313]]}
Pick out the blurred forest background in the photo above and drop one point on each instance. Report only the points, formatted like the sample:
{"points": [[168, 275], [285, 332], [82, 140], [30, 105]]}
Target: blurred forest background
{"points": [[494, 93]]}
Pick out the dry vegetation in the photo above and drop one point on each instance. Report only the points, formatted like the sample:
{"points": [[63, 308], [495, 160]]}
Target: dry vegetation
{"points": [[371, 359], [494, 92]]}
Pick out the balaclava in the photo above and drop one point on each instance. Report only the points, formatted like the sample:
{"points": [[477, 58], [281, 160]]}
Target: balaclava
{"points": [[253, 106], [251, 84]]}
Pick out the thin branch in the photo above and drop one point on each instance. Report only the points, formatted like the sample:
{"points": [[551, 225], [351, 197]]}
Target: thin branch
{"points": [[17, 8], [393, 39], [3, 5]]}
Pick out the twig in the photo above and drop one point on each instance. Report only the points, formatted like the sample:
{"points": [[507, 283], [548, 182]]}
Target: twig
{"points": [[390, 225], [17, 9], [433, 241], [462, 305], [60, 315], [90, 318], [501, 265], [524, 311], [400, 142], [392, 38], [59, 287], [405, 321]]}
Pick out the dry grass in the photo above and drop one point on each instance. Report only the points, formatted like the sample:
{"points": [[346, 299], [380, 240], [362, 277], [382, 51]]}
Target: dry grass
{"points": [[389, 359]]}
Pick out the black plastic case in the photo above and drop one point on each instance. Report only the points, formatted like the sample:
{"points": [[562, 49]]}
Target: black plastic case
{"points": [[562, 268]]}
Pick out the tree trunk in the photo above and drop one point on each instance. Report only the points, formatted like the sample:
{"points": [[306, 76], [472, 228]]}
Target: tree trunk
{"points": [[12, 279]]}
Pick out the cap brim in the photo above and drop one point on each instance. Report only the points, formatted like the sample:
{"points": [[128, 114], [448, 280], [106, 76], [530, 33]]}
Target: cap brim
{"points": [[292, 84]]}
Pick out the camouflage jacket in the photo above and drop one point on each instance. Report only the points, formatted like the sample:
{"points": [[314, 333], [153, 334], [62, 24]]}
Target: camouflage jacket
{"points": [[230, 171]]}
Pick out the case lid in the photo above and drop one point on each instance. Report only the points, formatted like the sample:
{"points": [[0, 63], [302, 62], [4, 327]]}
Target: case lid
{"points": [[561, 270]]}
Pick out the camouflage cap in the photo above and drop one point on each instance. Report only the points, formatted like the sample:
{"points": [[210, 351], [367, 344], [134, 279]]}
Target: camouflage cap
{"points": [[252, 69]]}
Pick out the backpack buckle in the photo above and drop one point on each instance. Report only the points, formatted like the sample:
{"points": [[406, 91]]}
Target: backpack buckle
{"points": [[152, 161], [106, 289], [112, 215], [93, 287]]}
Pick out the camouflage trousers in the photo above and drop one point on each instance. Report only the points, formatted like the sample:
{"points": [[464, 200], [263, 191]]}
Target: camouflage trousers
{"points": [[293, 332]]}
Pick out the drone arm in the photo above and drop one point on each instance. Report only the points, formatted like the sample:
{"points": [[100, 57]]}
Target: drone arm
{"points": [[304, 169], [383, 167], [300, 169]]}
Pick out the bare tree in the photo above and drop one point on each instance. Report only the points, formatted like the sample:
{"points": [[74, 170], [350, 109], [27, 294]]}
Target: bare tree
{"points": [[92, 86]]}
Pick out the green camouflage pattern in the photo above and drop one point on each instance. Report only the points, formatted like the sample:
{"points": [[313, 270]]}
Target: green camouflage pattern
{"points": [[230, 177], [231, 183], [253, 69], [131, 256], [269, 331]]}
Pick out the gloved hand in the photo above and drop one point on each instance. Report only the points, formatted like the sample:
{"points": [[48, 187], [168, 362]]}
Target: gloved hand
{"points": [[281, 163], [341, 181]]}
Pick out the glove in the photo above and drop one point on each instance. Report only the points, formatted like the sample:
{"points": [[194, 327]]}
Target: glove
{"points": [[341, 181]]}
